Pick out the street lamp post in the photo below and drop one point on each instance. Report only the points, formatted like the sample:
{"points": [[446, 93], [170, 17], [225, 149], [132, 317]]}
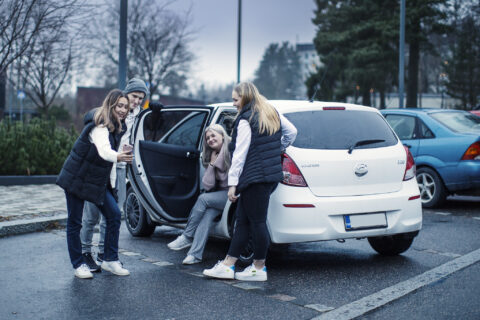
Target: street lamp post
{"points": [[239, 38], [122, 55], [401, 58]]}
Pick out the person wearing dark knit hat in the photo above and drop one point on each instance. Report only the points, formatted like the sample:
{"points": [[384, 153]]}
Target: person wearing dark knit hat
{"points": [[136, 91]]}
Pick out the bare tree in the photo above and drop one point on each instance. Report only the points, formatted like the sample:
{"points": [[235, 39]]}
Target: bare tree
{"points": [[22, 20], [157, 43], [44, 67]]}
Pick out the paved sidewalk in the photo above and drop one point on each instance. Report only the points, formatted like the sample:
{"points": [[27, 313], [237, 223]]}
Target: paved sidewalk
{"points": [[31, 208]]}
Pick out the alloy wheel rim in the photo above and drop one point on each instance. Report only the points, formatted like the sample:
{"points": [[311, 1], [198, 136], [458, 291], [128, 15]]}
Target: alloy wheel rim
{"points": [[133, 210], [427, 187]]}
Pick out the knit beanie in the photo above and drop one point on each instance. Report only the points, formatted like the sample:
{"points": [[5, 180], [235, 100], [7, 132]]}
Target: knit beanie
{"points": [[136, 85]]}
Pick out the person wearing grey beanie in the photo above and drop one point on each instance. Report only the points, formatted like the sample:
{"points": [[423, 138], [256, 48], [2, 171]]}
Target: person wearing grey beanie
{"points": [[136, 91]]}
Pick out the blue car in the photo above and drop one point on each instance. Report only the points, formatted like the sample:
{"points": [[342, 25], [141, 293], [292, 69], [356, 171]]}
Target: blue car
{"points": [[446, 147]]}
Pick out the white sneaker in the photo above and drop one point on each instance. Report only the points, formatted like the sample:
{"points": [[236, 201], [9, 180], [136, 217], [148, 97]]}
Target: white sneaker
{"points": [[83, 272], [115, 267], [252, 274], [220, 271], [191, 260], [180, 243]]}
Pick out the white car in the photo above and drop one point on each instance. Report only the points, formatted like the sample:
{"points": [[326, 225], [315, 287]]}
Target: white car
{"points": [[347, 175]]}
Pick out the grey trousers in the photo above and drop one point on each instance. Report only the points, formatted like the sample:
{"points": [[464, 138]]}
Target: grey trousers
{"points": [[92, 215], [208, 206]]}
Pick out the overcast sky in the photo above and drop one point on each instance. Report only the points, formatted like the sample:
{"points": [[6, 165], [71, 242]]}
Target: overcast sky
{"points": [[263, 22]]}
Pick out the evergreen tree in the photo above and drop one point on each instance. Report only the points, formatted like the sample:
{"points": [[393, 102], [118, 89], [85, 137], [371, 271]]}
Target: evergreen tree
{"points": [[278, 76], [357, 42], [423, 18], [463, 68]]}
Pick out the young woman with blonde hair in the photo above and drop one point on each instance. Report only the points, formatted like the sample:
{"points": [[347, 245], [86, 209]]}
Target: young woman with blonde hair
{"points": [[89, 174], [259, 135], [216, 160]]}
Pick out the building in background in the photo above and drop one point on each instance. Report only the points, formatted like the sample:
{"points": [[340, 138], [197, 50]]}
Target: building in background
{"points": [[309, 62]]}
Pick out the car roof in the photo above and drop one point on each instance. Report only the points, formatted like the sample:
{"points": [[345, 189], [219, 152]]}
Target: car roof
{"points": [[421, 110], [286, 106]]}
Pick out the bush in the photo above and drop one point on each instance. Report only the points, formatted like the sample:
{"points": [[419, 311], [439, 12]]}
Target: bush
{"points": [[35, 148]]}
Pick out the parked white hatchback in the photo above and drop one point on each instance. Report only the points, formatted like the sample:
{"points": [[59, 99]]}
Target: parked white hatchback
{"points": [[347, 175]]}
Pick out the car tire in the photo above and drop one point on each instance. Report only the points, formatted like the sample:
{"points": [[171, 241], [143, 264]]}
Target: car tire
{"points": [[391, 245], [432, 191], [135, 216]]}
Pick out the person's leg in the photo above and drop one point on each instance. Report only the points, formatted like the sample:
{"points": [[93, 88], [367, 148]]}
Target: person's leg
{"points": [[91, 216], [101, 240], [112, 215], [121, 187], [256, 210], [240, 233], [214, 200], [201, 234], [74, 224]]}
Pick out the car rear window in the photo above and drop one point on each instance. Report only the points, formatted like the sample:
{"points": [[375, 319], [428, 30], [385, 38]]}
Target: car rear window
{"points": [[463, 122], [340, 129]]}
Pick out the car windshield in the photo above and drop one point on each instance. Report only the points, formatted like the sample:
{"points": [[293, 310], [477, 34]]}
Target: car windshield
{"points": [[341, 129], [462, 122]]}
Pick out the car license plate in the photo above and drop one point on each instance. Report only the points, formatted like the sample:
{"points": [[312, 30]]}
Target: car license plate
{"points": [[365, 221]]}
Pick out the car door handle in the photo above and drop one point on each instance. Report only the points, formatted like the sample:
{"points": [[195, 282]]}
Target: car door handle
{"points": [[190, 155]]}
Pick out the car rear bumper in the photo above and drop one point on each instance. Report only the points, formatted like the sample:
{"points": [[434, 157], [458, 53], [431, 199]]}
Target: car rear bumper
{"points": [[325, 221]]}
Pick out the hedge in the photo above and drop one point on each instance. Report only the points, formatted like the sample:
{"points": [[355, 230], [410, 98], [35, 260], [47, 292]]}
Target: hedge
{"points": [[38, 147]]}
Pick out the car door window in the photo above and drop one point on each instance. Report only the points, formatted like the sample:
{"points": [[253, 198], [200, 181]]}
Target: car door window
{"points": [[226, 119], [178, 127], [425, 131], [187, 133], [404, 126]]}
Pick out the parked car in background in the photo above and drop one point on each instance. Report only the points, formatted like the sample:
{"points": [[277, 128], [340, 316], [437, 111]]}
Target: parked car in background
{"points": [[476, 111], [446, 147], [346, 176]]}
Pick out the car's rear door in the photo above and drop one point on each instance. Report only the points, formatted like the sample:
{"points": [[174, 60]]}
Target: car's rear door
{"points": [[166, 171], [405, 126]]}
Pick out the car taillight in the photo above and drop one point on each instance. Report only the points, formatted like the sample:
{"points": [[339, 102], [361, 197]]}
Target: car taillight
{"points": [[291, 175], [410, 169], [473, 152]]}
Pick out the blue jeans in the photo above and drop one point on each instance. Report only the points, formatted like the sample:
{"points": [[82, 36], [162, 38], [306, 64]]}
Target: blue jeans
{"points": [[111, 213], [91, 216]]}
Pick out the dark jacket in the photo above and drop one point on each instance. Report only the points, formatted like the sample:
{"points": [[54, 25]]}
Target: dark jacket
{"points": [[85, 174], [263, 163]]}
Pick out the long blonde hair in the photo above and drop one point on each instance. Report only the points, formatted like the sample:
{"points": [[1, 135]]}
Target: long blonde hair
{"points": [[207, 151], [268, 119], [104, 115]]}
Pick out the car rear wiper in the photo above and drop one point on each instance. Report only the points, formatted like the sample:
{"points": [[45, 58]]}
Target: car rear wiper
{"points": [[363, 143]]}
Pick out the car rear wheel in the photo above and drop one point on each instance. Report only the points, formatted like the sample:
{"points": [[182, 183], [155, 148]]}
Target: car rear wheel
{"points": [[432, 190], [391, 245], [135, 216]]}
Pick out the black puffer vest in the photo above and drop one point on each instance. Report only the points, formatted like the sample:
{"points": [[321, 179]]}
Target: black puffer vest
{"points": [[85, 174], [263, 162]]}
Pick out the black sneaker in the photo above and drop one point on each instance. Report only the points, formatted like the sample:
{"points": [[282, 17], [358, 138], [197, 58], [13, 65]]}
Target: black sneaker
{"points": [[88, 259], [99, 258]]}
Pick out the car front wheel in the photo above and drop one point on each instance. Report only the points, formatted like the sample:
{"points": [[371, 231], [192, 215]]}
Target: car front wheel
{"points": [[432, 190], [135, 216], [391, 245]]}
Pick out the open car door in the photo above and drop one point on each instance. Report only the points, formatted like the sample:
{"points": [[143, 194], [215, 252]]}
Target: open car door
{"points": [[166, 167]]}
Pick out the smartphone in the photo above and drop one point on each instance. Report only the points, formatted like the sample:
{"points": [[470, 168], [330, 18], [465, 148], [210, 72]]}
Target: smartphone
{"points": [[127, 148]]}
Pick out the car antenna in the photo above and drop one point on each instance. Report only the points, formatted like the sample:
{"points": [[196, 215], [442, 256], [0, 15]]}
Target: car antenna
{"points": [[314, 94]]}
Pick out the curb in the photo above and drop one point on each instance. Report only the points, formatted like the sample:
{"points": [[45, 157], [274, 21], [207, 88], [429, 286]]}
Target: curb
{"points": [[24, 180], [9, 228]]}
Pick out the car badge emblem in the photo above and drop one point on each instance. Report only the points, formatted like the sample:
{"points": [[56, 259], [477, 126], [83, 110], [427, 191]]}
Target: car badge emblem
{"points": [[361, 170]]}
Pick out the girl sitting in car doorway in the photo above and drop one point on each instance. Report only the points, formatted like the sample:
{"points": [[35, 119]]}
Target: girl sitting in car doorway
{"points": [[216, 160]]}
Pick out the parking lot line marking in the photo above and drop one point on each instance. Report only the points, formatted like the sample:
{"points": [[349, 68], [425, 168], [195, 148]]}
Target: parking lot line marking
{"points": [[282, 297], [163, 263], [476, 218], [246, 286], [443, 213], [387, 295], [319, 307], [129, 253]]}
